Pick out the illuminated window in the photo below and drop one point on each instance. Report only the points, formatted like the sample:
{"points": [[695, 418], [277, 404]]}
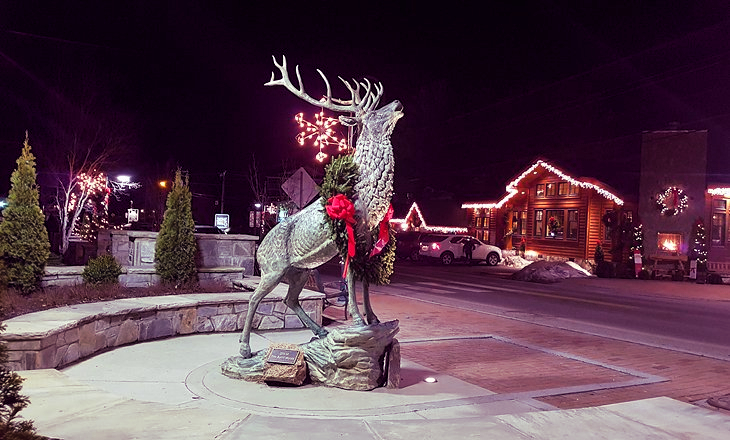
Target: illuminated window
{"points": [[555, 223], [478, 222], [574, 189], [551, 189], [572, 228], [523, 222], [540, 190], [539, 226], [563, 188], [719, 219], [718, 229]]}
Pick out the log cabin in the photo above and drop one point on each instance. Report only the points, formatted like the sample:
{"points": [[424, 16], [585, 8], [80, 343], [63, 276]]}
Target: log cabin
{"points": [[556, 214]]}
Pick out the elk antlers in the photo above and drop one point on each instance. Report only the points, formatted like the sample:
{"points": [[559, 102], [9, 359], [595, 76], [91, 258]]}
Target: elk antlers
{"points": [[355, 104]]}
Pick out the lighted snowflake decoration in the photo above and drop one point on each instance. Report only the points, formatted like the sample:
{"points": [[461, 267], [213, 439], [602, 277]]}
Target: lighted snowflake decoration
{"points": [[321, 133]]}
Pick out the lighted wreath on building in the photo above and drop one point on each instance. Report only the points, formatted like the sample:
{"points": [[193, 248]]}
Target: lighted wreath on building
{"points": [[672, 201]]}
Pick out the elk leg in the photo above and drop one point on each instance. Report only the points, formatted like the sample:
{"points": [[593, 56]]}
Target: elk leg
{"points": [[369, 314], [352, 299], [266, 285], [297, 279]]}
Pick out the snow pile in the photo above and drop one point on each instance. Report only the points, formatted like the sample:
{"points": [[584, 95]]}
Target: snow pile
{"points": [[511, 260], [542, 271]]}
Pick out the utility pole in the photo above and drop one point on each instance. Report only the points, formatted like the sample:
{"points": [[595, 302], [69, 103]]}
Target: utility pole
{"points": [[223, 188]]}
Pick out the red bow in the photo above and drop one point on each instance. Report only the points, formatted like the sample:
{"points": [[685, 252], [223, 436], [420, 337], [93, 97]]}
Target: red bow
{"points": [[384, 234], [339, 207]]}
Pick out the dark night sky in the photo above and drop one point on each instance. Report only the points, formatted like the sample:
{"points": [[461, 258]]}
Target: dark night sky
{"points": [[486, 86]]}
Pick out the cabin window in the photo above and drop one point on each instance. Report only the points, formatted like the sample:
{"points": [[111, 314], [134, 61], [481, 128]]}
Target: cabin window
{"points": [[551, 189], [540, 190], [555, 223], [478, 222], [572, 227], [563, 188], [523, 223], [539, 226], [574, 189]]}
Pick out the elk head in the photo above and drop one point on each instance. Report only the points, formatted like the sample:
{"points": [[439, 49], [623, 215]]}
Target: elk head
{"points": [[373, 123]]}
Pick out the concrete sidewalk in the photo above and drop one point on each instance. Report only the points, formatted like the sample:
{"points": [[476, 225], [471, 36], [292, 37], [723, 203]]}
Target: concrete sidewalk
{"points": [[496, 378], [178, 393]]}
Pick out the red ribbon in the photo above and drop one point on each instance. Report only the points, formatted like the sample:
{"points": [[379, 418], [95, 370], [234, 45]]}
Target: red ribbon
{"points": [[339, 207], [384, 234]]}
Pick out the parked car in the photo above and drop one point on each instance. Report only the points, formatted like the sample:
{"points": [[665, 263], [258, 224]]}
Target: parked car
{"points": [[450, 248], [408, 245]]}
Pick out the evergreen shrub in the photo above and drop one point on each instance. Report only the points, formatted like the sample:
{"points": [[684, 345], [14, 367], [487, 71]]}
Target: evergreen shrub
{"points": [[176, 248], [24, 245], [12, 402], [102, 270]]}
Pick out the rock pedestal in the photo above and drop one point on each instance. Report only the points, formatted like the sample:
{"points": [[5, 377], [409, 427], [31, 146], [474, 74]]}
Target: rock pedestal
{"points": [[354, 358], [292, 373]]}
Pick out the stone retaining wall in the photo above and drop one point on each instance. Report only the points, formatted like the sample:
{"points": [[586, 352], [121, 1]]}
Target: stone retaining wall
{"points": [[139, 276], [58, 337]]}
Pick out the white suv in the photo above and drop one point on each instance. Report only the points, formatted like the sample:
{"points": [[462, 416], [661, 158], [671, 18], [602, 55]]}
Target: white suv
{"points": [[450, 248]]}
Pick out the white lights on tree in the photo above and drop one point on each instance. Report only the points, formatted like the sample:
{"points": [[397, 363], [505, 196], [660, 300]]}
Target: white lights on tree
{"points": [[321, 133]]}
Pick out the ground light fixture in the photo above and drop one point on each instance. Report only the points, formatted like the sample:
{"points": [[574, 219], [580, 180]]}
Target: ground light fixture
{"points": [[430, 380]]}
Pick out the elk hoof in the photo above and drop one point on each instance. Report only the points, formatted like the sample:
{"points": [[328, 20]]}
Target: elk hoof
{"points": [[245, 351]]}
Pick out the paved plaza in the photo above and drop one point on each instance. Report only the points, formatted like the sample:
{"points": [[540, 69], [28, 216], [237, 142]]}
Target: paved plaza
{"points": [[495, 378]]}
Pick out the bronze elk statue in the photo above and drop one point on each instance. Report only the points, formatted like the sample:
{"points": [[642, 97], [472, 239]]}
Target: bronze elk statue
{"points": [[303, 242]]}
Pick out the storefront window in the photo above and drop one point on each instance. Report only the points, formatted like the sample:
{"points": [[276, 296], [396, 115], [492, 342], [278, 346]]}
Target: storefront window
{"points": [[718, 229]]}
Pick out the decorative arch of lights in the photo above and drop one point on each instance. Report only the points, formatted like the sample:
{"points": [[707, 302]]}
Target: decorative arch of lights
{"points": [[512, 187], [402, 223]]}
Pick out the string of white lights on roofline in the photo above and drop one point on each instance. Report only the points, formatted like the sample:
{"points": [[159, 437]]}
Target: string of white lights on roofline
{"points": [[512, 187]]}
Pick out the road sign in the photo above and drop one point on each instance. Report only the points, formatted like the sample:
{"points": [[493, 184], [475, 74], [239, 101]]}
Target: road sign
{"points": [[300, 188], [132, 215], [222, 222]]}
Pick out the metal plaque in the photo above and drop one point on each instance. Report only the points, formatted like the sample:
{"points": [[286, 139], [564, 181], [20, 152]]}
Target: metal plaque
{"points": [[283, 356]]}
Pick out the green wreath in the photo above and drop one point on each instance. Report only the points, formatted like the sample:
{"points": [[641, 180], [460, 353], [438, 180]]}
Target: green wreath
{"points": [[340, 178]]}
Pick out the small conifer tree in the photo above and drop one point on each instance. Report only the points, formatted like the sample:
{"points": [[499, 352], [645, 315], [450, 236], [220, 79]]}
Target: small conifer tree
{"points": [[24, 245], [12, 402], [175, 249], [699, 244]]}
